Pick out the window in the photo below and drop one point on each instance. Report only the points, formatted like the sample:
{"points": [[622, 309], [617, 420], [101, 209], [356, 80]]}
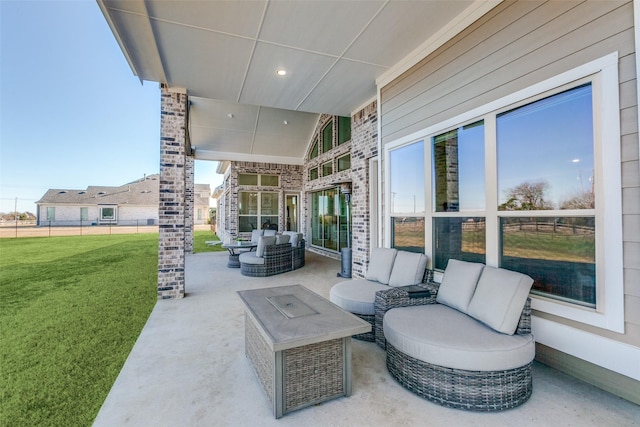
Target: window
{"points": [[344, 130], [327, 169], [108, 213], [314, 150], [84, 214], [407, 202], [269, 180], [257, 210], [51, 214], [344, 163], [329, 219], [327, 137], [258, 180], [545, 153], [520, 183], [247, 179], [458, 185], [313, 174]]}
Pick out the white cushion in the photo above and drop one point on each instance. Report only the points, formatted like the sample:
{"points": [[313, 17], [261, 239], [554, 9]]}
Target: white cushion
{"points": [[255, 235], [380, 264], [499, 298], [459, 283], [356, 296], [251, 258], [263, 242], [282, 238], [270, 233], [408, 269], [437, 334]]}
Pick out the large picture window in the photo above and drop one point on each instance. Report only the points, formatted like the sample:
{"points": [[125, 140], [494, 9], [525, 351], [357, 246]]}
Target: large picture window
{"points": [[520, 183]]}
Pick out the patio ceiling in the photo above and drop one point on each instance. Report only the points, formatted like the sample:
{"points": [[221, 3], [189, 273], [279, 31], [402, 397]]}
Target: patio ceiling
{"points": [[226, 53]]}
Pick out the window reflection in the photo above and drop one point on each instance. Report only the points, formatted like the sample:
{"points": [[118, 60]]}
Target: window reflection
{"points": [[545, 153], [407, 179], [461, 238], [458, 169]]}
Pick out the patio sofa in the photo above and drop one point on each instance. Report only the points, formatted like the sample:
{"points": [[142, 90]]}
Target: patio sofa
{"points": [[274, 254], [470, 346], [388, 268]]}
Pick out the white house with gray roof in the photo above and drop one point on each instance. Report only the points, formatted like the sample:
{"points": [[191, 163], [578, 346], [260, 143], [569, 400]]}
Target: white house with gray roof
{"points": [[134, 203]]}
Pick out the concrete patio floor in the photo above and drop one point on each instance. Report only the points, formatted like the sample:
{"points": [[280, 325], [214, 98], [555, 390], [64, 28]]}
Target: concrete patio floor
{"points": [[188, 369]]}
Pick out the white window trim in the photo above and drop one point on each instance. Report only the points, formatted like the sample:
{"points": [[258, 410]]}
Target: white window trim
{"points": [[609, 313]]}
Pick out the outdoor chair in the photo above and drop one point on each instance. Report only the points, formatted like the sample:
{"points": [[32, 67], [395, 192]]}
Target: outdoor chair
{"points": [[470, 346], [272, 256], [388, 268]]}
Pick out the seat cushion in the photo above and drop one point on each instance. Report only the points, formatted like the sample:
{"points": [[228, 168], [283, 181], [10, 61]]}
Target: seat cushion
{"points": [[408, 269], [459, 283], [356, 296], [499, 298], [380, 264], [251, 258], [440, 335]]}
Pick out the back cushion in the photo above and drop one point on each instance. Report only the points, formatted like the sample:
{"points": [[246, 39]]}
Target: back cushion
{"points": [[499, 298], [380, 264], [270, 232], [459, 283], [295, 237], [408, 269], [255, 235], [282, 238], [264, 242]]}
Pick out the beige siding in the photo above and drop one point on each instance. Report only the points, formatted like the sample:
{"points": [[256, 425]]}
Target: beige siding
{"points": [[515, 46]]}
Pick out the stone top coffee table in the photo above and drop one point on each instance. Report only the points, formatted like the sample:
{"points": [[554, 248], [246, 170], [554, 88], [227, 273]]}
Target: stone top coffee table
{"points": [[299, 343]]}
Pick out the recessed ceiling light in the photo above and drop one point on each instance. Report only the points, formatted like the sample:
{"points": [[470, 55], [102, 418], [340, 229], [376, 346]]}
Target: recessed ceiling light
{"points": [[230, 115], [281, 72], [285, 122]]}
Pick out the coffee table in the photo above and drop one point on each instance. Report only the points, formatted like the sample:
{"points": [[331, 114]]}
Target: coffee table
{"points": [[299, 344], [235, 249]]}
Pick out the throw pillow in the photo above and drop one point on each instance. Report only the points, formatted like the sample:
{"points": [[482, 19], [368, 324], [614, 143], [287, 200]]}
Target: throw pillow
{"points": [[499, 298], [380, 264], [282, 238], [459, 283], [263, 242], [408, 269]]}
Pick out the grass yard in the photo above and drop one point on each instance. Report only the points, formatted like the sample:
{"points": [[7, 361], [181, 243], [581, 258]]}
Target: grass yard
{"points": [[202, 236], [71, 309]]}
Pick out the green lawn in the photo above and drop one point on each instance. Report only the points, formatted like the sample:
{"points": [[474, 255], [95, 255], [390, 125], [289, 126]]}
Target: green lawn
{"points": [[71, 309], [202, 236]]}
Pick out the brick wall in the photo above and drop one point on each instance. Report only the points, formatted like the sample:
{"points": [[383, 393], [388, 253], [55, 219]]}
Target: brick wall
{"points": [[290, 182], [173, 190]]}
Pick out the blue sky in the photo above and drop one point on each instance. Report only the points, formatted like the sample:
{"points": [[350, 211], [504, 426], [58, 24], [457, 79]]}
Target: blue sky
{"points": [[72, 114]]}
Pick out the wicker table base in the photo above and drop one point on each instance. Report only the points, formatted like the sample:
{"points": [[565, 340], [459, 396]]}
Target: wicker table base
{"points": [[299, 345]]}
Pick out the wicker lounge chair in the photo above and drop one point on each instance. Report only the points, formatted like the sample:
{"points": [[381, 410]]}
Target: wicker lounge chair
{"points": [[270, 258], [388, 268], [476, 356]]}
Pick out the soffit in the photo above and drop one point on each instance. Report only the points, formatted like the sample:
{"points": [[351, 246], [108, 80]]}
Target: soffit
{"points": [[226, 52]]}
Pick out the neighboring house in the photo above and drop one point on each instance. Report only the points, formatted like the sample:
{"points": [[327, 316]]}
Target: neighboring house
{"points": [[135, 203], [504, 132]]}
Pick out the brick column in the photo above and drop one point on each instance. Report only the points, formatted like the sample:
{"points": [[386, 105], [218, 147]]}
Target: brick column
{"points": [[173, 189], [364, 137], [189, 204]]}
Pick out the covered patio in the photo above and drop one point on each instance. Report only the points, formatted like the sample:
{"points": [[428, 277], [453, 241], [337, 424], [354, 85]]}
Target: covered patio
{"points": [[265, 87], [188, 368]]}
